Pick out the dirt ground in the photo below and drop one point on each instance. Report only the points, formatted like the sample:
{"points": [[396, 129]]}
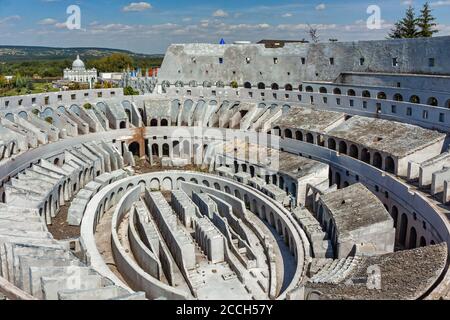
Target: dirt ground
{"points": [[60, 229]]}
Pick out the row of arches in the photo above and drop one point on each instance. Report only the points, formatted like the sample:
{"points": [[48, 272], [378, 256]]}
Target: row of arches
{"points": [[375, 158]]}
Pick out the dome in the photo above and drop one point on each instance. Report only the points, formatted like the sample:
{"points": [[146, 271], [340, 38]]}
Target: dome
{"points": [[78, 64]]}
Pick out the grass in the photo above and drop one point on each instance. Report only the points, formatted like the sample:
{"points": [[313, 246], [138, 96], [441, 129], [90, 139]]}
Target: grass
{"points": [[38, 88]]}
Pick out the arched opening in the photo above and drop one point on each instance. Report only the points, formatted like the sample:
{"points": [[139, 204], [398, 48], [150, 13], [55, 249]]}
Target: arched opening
{"points": [[381, 96], [261, 86], [337, 180], [135, 148], [390, 165], [323, 90], [331, 144], [351, 93], [423, 242], [123, 125], [447, 104], [414, 99], [155, 150], [275, 86], [377, 160], [398, 97], [365, 155], [366, 94], [247, 85], [412, 238], [337, 91], [403, 228], [432, 101], [164, 123], [288, 87], [154, 123], [353, 152], [299, 135], [288, 134], [309, 138], [394, 215], [343, 147], [166, 150], [309, 89]]}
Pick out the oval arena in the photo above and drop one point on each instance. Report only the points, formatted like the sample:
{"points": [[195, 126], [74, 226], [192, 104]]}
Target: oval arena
{"points": [[242, 172]]}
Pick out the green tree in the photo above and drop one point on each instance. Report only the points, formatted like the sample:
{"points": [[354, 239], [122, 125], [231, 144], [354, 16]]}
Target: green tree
{"points": [[3, 81], [426, 22], [396, 32], [409, 24], [129, 91]]}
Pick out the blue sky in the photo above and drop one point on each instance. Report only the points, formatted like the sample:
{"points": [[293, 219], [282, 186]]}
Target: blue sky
{"points": [[150, 26]]}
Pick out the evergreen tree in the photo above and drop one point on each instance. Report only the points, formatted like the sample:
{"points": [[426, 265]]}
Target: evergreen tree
{"points": [[409, 24], [426, 22], [396, 32]]}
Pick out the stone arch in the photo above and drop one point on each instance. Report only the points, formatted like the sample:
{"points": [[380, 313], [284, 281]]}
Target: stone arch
{"points": [[167, 184], [288, 134], [166, 150], [412, 238], [309, 138], [337, 179], [423, 242], [365, 155], [309, 89], [381, 96], [275, 86], [261, 86], [123, 125], [394, 214], [155, 184], [164, 123], [288, 87], [403, 229], [299, 135], [366, 94], [398, 97], [353, 152], [154, 123], [390, 165], [331, 144], [337, 91], [323, 90], [414, 99], [432, 101], [247, 85], [343, 147], [135, 148], [351, 92], [377, 160]]}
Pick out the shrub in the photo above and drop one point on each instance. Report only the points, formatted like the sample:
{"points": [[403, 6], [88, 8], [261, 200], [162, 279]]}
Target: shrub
{"points": [[234, 84]]}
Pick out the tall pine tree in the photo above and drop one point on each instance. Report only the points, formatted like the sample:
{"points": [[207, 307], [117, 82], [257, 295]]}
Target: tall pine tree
{"points": [[396, 32], [409, 24], [426, 22]]}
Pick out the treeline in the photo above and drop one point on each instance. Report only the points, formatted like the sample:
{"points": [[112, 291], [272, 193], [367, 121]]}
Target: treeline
{"points": [[413, 26], [116, 62]]}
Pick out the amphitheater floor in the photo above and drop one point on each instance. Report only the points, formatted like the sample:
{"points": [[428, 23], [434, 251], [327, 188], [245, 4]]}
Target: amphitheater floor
{"points": [[60, 229]]}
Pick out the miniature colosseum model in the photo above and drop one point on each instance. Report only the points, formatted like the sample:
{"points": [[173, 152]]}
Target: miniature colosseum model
{"points": [[312, 171]]}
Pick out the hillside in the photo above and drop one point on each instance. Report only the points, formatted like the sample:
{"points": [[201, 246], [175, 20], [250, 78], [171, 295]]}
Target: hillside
{"points": [[25, 53]]}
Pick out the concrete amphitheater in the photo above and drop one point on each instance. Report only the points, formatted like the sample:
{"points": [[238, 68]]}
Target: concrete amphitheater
{"points": [[310, 171]]}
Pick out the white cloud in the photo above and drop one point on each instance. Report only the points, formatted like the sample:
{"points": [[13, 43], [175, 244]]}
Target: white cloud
{"points": [[287, 15], [220, 14], [321, 7], [137, 6], [407, 2], [47, 21], [9, 19], [441, 3]]}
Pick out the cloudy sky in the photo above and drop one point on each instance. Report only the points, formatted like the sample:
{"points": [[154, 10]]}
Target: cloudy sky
{"points": [[150, 26]]}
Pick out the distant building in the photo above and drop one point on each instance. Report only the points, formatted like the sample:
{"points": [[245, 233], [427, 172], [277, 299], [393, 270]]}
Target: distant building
{"points": [[79, 73]]}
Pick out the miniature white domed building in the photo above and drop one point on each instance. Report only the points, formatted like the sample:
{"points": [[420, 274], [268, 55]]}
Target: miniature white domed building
{"points": [[78, 73]]}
